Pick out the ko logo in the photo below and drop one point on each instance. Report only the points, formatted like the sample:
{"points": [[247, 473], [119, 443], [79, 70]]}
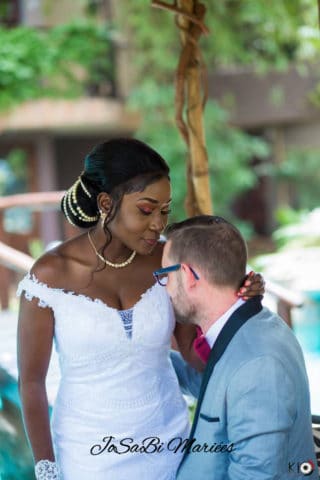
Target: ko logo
{"points": [[306, 468]]}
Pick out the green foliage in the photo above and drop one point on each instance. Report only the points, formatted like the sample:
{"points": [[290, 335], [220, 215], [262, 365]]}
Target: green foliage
{"points": [[5, 10], [230, 153], [243, 32], [13, 179], [301, 170], [58, 62], [230, 149], [17, 162], [36, 248], [261, 33], [62, 61], [303, 231], [13, 172], [287, 216]]}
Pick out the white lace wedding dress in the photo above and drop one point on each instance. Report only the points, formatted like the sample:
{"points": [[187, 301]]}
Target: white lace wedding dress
{"points": [[116, 390]]}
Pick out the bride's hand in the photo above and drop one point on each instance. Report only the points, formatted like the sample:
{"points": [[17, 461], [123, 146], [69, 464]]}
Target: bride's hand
{"points": [[252, 286]]}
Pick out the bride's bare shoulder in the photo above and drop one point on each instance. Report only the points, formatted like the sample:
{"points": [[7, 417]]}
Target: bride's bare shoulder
{"points": [[58, 263]]}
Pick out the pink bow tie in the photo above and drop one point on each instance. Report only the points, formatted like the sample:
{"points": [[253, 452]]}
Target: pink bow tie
{"points": [[201, 345]]}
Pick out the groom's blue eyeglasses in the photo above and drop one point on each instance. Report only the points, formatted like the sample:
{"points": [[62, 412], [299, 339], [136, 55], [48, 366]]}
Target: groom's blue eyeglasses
{"points": [[161, 275]]}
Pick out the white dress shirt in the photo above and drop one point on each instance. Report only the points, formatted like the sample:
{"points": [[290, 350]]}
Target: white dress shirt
{"points": [[215, 329]]}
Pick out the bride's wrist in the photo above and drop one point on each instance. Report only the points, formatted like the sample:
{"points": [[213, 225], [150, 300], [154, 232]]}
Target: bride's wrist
{"points": [[47, 470]]}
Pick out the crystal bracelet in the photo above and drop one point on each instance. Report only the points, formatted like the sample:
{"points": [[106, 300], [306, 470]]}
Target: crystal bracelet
{"points": [[46, 470]]}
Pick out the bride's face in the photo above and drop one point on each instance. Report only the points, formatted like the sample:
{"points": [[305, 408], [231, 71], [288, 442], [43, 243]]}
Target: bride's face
{"points": [[142, 217]]}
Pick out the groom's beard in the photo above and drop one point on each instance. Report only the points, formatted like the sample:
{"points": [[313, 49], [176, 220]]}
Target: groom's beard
{"points": [[187, 319], [185, 311]]}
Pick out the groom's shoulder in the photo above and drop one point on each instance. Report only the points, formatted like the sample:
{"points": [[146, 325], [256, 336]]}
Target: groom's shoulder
{"points": [[267, 333], [268, 323]]}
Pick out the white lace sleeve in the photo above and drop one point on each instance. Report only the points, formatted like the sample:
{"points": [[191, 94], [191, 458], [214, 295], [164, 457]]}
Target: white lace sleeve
{"points": [[31, 287]]}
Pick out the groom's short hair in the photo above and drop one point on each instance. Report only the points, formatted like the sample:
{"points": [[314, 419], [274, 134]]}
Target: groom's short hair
{"points": [[213, 245]]}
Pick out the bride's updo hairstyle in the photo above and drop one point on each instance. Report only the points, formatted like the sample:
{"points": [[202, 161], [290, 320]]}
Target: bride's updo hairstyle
{"points": [[117, 167]]}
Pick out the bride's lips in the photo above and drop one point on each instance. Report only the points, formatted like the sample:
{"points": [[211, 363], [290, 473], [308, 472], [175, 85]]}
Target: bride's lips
{"points": [[151, 241]]}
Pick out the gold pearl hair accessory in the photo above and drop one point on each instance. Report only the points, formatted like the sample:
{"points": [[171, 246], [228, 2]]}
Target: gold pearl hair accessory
{"points": [[64, 203], [71, 201], [110, 264], [86, 191]]}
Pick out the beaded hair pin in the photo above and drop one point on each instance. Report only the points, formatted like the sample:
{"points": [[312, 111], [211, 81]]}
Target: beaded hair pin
{"points": [[70, 200]]}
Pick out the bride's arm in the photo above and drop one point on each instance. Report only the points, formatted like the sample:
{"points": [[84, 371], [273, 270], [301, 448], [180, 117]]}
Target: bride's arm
{"points": [[35, 334], [185, 335]]}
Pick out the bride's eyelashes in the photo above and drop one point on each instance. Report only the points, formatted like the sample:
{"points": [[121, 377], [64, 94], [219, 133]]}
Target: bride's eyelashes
{"points": [[147, 211]]}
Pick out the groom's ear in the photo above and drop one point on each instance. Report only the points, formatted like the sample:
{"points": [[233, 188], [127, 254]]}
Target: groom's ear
{"points": [[188, 278]]}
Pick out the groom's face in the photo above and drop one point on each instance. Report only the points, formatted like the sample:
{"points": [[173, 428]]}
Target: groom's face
{"points": [[183, 307]]}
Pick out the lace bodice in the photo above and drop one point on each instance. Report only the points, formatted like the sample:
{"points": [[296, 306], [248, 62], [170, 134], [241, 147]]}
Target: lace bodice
{"points": [[127, 317], [85, 328]]}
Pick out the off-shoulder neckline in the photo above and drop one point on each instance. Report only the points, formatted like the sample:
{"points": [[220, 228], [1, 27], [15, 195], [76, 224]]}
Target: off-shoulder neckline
{"points": [[97, 301]]}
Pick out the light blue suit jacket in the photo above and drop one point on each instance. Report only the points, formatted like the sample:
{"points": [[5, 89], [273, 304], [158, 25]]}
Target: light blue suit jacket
{"points": [[253, 419]]}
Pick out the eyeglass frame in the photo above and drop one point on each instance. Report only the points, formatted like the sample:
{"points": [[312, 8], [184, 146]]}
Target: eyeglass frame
{"points": [[172, 268]]}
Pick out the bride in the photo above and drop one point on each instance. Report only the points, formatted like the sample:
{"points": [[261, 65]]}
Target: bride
{"points": [[118, 404]]}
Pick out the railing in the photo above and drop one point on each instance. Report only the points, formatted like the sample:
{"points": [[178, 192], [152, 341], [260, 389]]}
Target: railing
{"points": [[10, 257], [13, 259]]}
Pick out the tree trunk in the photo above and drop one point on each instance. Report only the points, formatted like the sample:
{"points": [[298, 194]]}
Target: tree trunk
{"points": [[190, 100], [198, 199]]}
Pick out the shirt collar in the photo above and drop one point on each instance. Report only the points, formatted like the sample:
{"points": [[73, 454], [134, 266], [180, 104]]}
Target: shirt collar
{"points": [[215, 329]]}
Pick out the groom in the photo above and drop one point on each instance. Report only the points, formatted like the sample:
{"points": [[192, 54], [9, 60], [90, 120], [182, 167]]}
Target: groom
{"points": [[253, 419]]}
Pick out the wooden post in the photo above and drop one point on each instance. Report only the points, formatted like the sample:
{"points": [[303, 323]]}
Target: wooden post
{"points": [[198, 200], [190, 101]]}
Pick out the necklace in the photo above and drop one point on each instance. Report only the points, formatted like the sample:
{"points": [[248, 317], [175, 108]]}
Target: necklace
{"points": [[110, 264]]}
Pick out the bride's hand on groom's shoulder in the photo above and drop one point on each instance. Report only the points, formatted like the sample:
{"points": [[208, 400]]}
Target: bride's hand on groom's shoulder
{"points": [[252, 286]]}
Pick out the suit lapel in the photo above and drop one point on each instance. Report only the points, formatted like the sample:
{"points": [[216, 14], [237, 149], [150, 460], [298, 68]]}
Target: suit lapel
{"points": [[235, 322]]}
